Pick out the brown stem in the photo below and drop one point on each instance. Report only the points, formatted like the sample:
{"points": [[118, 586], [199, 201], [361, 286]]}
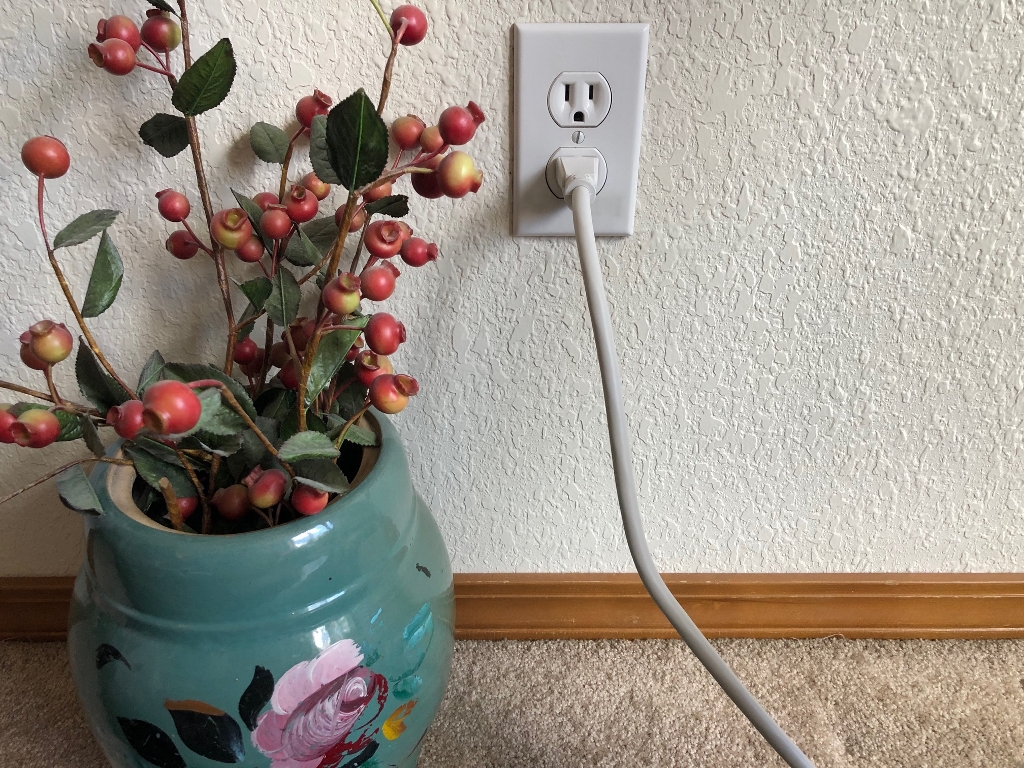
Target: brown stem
{"points": [[214, 467], [359, 245], [296, 360], [51, 386], [185, 42], [90, 339], [54, 473], [263, 514], [284, 166], [268, 342], [67, 404], [194, 478], [355, 417], [172, 503], [385, 87]]}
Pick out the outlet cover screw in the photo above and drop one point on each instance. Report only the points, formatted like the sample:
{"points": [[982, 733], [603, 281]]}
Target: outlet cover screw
{"points": [[578, 137]]}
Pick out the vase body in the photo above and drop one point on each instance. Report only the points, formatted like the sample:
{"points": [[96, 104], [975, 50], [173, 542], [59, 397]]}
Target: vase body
{"points": [[322, 643]]}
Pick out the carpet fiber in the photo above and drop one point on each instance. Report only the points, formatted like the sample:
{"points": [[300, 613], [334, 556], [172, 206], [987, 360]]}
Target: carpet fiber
{"points": [[575, 704]]}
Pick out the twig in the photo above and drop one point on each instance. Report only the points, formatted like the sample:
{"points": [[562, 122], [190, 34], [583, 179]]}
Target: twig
{"points": [[48, 373], [380, 12], [350, 422], [297, 361], [385, 86], [172, 503], [207, 517], [49, 398], [284, 166], [359, 245], [54, 473]]}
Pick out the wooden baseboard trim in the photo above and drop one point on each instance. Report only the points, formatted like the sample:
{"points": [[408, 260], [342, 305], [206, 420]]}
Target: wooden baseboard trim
{"points": [[595, 606]]}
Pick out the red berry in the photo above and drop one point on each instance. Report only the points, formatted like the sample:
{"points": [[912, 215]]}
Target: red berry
{"points": [[341, 295], [311, 106], [457, 175], [231, 503], [289, 375], [370, 365], [126, 419], [172, 205], [255, 368], [171, 407], [45, 156], [119, 28], [416, 252], [187, 504], [301, 204], [301, 331], [319, 188], [181, 245], [246, 351], [265, 199], [377, 192], [7, 419], [406, 131], [280, 355], [415, 23], [426, 184], [231, 228], [430, 139], [28, 357], [378, 283], [51, 342], [268, 489], [160, 32], [36, 428], [383, 238], [250, 251], [358, 218], [307, 500], [384, 333], [275, 222], [390, 393], [353, 351], [114, 55], [458, 124], [406, 231]]}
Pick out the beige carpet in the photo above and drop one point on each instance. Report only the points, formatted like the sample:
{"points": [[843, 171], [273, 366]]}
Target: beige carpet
{"points": [[638, 704]]}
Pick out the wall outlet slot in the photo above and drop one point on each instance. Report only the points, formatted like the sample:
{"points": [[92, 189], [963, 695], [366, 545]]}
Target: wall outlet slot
{"points": [[577, 88]]}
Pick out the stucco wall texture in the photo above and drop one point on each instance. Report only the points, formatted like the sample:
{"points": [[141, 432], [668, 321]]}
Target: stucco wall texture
{"points": [[819, 314]]}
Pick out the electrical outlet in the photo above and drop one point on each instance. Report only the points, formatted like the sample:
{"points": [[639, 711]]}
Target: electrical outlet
{"points": [[577, 87]]}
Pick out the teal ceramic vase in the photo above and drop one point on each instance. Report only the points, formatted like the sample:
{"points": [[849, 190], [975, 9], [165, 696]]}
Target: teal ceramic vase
{"points": [[322, 643]]}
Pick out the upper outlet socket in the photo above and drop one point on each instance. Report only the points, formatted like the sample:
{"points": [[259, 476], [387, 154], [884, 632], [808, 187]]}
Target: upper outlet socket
{"points": [[579, 99]]}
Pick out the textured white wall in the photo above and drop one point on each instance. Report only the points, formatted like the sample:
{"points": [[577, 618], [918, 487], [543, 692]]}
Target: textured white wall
{"points": [[820, 311]]}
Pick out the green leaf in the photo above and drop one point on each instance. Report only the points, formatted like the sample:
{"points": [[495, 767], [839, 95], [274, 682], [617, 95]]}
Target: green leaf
{"points": [[95, 383], [206, 83], [319, 155], [307, 445], [276, 403], [257, 291], [301, 252], [351, 400], [269, 142], [91, 436], [189, 372], [283, 304], [76, 492], [221, 445], [218, 418], [85, 227], [321, 233], [70, 426], [167, 134], [254, 212], [395, 206], [322, 474], [105, 281], [361, 436], [289, 426], [330, 356], [151, 469], [163, 6], [357, 141], [151, 371]]}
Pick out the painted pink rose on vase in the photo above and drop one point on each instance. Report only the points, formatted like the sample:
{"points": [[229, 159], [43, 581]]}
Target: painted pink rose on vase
{"points": [[314, 707]]}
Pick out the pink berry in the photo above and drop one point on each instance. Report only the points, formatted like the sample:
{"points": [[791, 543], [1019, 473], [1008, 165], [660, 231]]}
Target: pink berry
{"points": [[301, 331], [415, 23], [28, 357], [187, 504], [35, 429], [341, 295], [458, 124], [289, 375], [7, 420], [268, 489], [390, 393], [231, 503], [426, 184], [114, 55], [275, 222], [358, 218], [377, 192], [311, 106], [431, 140], [384, 334], [301, 204], [126, 419], [383, 238], [172, 205], [171, 407], [416, 252], [308, 501], [119, 28], [181, 245], [370, 365], [265, 199], [160, 32], [231, 228], [51, 342], [406, 131], [313, 184], [255, 367], [280, 355], [378, 283], [45, 156], [250, 251], [246, 351], [457, 175], [353, 351]]}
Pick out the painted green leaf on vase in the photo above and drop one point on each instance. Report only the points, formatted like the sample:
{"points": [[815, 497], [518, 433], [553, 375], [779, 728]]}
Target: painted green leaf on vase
{"points": [[151, 743], [207, 731], [255, 697]]}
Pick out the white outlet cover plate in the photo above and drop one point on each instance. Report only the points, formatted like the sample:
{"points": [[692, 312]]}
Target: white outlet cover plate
{"points": [[541, 53]]}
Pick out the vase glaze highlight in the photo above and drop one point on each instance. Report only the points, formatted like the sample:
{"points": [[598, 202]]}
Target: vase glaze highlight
{"points": [[322, 643]]}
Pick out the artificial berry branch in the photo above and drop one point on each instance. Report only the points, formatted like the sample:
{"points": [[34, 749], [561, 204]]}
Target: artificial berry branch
{"points": [[52, 474]]}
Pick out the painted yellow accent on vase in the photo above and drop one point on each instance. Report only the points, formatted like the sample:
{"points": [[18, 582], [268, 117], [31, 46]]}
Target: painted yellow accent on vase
{"points": [[394, 726], [193, 706]]}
